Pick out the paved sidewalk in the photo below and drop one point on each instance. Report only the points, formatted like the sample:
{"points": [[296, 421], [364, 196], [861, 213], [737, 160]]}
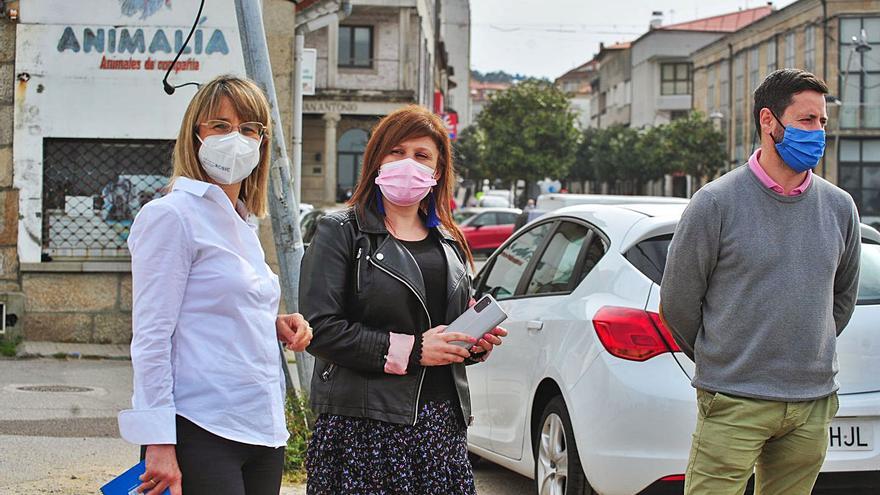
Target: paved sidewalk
{"points": [[58, 432]]}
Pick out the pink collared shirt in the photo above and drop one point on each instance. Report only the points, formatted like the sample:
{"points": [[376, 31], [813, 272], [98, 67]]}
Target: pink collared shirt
{"points": [[768, 182]]}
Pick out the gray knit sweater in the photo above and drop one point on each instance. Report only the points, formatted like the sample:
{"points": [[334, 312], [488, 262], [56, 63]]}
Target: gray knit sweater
{"points": [[758, 285]]}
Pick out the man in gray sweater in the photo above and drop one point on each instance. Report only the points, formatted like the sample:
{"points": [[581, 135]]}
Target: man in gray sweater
{"points": [[761, 278]]}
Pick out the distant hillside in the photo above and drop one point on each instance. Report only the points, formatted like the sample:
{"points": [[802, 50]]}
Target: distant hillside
{"points": [[498, 76]]}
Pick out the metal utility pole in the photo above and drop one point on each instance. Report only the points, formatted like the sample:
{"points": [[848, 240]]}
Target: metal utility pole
{"points": [[283, 204]]}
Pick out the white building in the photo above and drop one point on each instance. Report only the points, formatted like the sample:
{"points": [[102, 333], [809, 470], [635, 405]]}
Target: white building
{"points": [[457, 37], [384, 55], [662, 80]]}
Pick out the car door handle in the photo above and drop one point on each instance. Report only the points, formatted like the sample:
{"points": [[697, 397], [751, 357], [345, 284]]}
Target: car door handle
{"points": [[535, 325]]}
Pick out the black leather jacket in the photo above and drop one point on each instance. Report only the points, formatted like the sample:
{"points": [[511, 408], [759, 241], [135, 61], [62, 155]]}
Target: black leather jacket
{"points": [[358, 284]]}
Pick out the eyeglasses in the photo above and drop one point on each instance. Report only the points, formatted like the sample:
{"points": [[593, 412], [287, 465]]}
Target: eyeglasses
{"points": [[254, 130]]}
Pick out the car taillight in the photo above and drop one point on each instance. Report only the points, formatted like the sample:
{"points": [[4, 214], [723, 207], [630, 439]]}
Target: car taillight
{"points": [[633, 334]]}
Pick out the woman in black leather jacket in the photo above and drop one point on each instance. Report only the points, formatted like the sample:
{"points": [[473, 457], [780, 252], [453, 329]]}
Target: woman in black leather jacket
{"points": [[379, 282]]}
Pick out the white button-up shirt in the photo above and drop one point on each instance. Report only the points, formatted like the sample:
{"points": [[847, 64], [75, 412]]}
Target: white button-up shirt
{"points": [[204, 305]]}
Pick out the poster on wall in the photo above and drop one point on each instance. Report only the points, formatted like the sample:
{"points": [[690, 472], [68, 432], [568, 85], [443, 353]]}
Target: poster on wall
{"points": [[89, 79]]}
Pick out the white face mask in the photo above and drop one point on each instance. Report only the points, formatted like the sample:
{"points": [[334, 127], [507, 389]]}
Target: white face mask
{"points": [[229, 158]]}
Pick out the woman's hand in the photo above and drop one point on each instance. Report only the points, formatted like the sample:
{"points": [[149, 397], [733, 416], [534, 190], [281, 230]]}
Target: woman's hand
{"points": [[489, 340], [293, 331], [437, 350], [162, 471]]}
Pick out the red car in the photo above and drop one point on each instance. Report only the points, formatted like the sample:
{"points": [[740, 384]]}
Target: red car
{"points": [[486, 228]]}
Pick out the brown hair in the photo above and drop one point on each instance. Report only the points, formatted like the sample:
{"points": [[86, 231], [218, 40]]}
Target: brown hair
{"points": [[251, 105], [408, 123]]}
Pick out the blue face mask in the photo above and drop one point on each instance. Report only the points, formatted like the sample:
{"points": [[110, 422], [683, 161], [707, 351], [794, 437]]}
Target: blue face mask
{"points": [[800, 149]]}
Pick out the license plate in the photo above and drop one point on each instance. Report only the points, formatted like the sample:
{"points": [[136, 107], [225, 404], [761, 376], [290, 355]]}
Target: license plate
{"points": [[850, 435]]}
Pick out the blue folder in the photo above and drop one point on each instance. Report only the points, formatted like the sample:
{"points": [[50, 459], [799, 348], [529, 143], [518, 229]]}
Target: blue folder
{"points": [[127, 482]]}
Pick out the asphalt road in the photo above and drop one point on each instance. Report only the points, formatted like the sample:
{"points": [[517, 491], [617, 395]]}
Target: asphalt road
{"points": [[58, 430]]}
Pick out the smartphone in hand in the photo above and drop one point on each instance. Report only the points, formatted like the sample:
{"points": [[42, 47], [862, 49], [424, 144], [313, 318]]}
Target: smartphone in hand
{"points": [[478, 320]]}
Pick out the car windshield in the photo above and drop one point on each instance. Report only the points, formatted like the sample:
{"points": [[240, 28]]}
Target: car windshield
{"points": [[461, 216], [649, 257]]}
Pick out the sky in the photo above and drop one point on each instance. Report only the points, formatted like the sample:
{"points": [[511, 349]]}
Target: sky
{"points": [[546, 38]]}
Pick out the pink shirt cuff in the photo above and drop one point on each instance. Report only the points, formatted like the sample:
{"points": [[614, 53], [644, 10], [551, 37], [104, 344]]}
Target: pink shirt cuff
{"points": [[399, 350]]}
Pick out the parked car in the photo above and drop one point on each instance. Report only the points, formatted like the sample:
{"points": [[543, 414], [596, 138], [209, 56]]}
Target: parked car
{"points": [[590, 393], [554, 201], [493, 201], [487, 228], [308, 222]]}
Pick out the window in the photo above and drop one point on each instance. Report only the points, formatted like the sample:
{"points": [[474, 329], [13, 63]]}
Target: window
{"points": [[349, 159], [506, 218], [724, 77], [859, 173], [789, 50], [754, 69], [649, 256], [810, 48], [739, 95], [553, 272], [861, 93], [356, 46], [484, 219], [93, 189], [675, 79], [771, 55], [504, 275], [711, 75], [869, 274]]}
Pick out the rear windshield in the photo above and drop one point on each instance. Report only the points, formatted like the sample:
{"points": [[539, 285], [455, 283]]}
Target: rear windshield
{"points": [[649, 257], [869, 274]]}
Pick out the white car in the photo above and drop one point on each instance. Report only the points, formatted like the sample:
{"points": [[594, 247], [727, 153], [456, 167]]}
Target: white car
{"points": [[589, 393]]}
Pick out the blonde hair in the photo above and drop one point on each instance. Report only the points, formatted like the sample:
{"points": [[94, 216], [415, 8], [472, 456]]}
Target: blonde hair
{"points": [[251, 105]]}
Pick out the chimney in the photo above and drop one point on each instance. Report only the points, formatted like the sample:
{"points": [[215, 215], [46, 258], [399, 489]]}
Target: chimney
{"points": [[656, 19]]}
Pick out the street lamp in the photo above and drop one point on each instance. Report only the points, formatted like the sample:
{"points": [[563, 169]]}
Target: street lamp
{"points": [[860, 45]]}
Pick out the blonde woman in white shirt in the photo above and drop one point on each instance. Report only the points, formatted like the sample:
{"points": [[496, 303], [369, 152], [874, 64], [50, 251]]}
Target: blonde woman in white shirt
{"points": [[208, 404]]}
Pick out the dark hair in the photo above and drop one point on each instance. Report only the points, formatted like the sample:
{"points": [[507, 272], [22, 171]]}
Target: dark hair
{"points": [[778, 89]]}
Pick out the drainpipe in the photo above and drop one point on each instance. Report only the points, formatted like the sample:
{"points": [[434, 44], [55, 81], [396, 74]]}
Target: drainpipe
{"points": [[730, 89], [825, 68]]}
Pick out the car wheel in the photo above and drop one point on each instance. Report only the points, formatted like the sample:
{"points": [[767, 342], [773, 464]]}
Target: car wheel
{"points": [[558, 468]]}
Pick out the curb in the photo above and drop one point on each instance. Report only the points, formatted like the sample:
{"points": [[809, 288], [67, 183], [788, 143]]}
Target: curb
{"points": [[33, 349]]}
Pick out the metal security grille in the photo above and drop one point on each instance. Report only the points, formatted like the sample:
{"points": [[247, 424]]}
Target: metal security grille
{"points": [[92, 190]]}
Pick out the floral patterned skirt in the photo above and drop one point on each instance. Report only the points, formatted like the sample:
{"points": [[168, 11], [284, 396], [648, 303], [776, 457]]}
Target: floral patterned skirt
{"points": [[360, 456]]}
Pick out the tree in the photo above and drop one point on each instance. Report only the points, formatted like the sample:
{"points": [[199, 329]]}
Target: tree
{"points": [[695, 146], [469, 151], [529, 132]]}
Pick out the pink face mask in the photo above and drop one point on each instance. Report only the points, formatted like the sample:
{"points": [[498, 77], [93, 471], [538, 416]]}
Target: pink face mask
{"points": [[405, 182]]}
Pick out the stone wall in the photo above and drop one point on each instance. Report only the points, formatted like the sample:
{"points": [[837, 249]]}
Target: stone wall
{"points": [[84, 307]]}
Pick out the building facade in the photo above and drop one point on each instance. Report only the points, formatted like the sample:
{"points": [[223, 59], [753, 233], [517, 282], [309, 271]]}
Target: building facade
{"points": [[87, 134], [383, 55], [661, 73], [816, 36], [611, 87], [457, 35], [576, 83]]}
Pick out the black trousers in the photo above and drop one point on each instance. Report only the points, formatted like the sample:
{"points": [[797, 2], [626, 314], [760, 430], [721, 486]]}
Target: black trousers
{"points": [[213, 465]]}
